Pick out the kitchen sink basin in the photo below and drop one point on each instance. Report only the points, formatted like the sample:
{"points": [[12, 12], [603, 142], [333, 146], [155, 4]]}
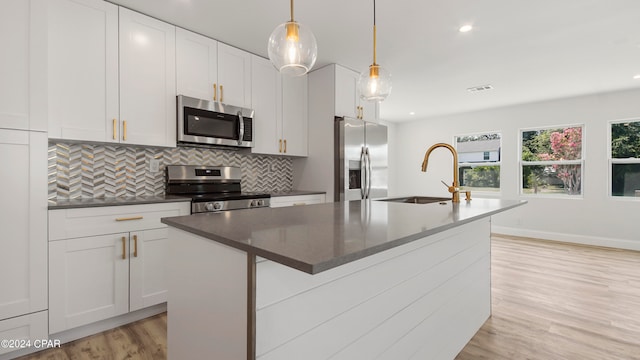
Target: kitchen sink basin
{"points": [[418, 199]]}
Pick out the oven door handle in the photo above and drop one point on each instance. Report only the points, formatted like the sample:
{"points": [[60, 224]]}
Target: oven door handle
{"points": [[240, 127]]}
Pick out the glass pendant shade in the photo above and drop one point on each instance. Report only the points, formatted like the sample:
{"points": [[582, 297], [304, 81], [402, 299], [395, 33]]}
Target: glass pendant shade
{"points": [[292, 49], [374, 83]]}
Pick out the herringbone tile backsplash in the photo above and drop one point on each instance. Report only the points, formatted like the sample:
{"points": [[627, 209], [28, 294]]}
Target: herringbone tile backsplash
{"points": [[97, 171]]}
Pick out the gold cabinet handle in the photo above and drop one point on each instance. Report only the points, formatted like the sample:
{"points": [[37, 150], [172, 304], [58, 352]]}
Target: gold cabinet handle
{"points": [[135, 245], [130, 218], [285, 146], [221, 94], [114, 129], [280, 145], [215, 92], [124, 248], [124, 130]]}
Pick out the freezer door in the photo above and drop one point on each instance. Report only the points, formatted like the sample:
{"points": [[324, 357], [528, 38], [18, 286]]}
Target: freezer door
{"points": [[377, 176], [349, 152]]}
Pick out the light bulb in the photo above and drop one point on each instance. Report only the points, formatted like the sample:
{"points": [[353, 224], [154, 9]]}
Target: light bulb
{"points": [[292, 49], [373, 84]]}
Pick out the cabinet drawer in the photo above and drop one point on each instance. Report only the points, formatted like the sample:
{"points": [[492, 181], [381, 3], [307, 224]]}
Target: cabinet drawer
{"points": [[80, 222], [280, 201], [27, 327]]}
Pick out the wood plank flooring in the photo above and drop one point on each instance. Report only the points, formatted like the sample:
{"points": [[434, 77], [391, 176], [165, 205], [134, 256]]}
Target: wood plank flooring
{"points": [[551, 301], [560, 301]]}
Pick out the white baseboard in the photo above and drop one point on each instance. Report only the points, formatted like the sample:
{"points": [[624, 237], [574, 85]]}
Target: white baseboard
{"points": [[570, 238]]}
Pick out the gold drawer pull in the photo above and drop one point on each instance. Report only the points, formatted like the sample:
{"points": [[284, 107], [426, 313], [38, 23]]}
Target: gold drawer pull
{"points": [[135, 245], [130, 218], [280, 145], [215, 92], [221, 94], [297, 204], [124, 130], [114, 129], [285, 146], [124, 248]]}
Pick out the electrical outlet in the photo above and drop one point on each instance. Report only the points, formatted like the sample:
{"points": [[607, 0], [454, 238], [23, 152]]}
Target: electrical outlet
{"points": [[154, 165]]}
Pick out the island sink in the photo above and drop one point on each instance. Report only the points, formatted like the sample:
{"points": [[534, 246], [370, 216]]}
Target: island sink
{"points": [[418, 199]]}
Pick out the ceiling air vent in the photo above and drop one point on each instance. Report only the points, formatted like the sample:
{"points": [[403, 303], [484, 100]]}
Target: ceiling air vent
{"points": [[479, 88]]}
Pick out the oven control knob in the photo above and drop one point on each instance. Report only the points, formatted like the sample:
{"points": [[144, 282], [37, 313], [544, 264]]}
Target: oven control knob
{"points": [[260, 203], [253, 203], [217, 206], [209, 206]]}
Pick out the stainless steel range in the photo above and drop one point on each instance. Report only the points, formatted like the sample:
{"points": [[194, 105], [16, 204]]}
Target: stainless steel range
{"points": [[212, 188]]}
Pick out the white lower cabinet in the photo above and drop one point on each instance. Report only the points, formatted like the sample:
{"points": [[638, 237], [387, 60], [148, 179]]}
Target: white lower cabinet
{"points": [[295, 200], [95, 276]]}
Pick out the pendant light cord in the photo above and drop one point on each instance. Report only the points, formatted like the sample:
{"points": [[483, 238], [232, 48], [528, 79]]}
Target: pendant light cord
{"points": [[374, 32], [292, 10]]}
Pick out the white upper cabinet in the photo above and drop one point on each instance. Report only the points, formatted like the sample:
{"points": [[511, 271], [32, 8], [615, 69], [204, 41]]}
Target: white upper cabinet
{"points": [[196, 65], [234, 76], [16, 42], [348, 102], [110, 74], [83, 70], [147, 80], [295, 115], [209, 70], [280, 104], [266, 88]]}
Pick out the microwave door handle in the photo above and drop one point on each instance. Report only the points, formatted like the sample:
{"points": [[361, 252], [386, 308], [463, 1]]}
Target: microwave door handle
{"points": [[240, 128]]}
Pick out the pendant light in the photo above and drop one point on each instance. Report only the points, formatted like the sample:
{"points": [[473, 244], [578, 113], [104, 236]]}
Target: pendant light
{"points": [[374, 83], [292, 48]]}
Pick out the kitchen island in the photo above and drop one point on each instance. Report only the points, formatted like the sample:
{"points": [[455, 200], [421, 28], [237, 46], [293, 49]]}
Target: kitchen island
{"points": [[352, 280]]}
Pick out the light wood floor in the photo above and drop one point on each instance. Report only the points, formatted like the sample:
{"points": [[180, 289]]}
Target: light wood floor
{"points": [[551, 301]]}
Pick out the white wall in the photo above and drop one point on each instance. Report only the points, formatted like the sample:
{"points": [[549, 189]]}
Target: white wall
{"points": [[596, 218]]}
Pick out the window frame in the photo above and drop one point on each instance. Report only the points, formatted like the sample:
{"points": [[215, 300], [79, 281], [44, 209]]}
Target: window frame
{"points": [[485, 193], [581, 162], [611, 161]]}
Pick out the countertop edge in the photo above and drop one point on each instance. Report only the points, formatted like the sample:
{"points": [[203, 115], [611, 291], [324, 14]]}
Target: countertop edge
{"points": [[297, 193], [338, 261], [88, 203]]}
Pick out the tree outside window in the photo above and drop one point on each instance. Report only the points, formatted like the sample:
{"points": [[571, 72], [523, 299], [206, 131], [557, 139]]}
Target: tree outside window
{"points": [[479, 161], [624, 158], [552, 161]]}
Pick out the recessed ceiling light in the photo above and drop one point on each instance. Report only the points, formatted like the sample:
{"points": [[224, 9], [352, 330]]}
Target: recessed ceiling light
{"points": [[636, 77], [465, 28], [412, 113], [480, 88]]}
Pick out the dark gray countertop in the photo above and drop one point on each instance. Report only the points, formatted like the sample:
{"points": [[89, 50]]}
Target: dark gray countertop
{"points": [[113, 201], [296, 193], [319, 237]]}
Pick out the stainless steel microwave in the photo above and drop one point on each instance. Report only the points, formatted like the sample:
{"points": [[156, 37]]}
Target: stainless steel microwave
{"points": [[212, 123]]}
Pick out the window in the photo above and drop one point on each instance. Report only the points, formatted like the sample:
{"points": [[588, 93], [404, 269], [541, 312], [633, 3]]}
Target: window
{"points": [[624, 157], [479, 161], [552, 161]]}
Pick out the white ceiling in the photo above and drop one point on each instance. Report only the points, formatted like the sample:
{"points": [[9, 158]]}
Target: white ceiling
{"points": [[528, 50]]}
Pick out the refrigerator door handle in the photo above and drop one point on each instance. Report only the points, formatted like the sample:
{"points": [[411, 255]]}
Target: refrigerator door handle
{"points": [[363, 174], [368, 196]]}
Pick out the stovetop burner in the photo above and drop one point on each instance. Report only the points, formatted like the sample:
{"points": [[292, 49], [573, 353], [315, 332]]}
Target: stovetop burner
{"points": [[212, 188]]}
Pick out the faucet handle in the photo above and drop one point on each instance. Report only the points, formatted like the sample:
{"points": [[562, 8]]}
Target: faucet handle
{"points": [[452, 189]]}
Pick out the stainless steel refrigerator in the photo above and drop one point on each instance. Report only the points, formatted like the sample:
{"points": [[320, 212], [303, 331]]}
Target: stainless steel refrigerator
{"points": [[361, 167]]}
